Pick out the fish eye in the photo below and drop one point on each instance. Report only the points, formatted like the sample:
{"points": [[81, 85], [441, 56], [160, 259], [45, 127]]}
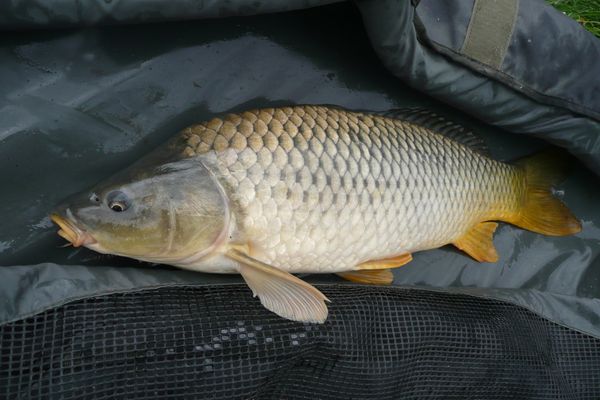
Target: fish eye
{"points": [[117, 206], [117, 201]]}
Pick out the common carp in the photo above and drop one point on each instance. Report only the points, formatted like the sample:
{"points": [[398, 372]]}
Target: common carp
{"points": [[314, 189]]}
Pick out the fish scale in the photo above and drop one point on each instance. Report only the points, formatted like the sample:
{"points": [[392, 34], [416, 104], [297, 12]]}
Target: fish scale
{"points": [[320, 189]]}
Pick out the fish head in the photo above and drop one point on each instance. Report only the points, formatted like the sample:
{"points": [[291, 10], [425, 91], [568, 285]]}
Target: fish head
{"points": [[173, 213]]}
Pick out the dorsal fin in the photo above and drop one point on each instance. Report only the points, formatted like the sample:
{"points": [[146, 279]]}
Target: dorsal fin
{"points": [[439, 124]]}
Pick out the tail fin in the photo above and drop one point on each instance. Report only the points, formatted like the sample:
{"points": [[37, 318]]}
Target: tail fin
{"points": [[542, 212]]}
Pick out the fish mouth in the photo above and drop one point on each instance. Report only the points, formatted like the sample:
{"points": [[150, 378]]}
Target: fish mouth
{"points": [[70, 232]]}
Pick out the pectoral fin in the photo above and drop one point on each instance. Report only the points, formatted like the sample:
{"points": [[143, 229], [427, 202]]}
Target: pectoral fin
{"points": [[386, 263], [281, 292], [478, 242], [371, 276]]}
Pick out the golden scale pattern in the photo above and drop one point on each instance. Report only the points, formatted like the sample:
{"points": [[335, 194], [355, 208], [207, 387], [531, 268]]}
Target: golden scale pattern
{"points": [[320, 187]]}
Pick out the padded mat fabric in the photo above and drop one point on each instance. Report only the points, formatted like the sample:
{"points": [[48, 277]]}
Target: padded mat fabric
{"points": [[212, 343], [79, 105]]}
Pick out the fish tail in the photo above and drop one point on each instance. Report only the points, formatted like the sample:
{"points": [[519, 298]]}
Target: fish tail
{"points": [[541, 212]]}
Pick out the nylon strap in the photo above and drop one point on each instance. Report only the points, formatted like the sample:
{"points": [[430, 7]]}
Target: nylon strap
{"points": [[489, 31]]}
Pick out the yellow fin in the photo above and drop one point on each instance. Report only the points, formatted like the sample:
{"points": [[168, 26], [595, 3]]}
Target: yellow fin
{"points": [[392, 262], [279, 291], [542, 212], [372, 276], [478, 242]]}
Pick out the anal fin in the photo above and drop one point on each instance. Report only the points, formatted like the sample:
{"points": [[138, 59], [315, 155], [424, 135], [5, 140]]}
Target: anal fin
{"points": [[385, 263], [478, 242], [279, 291], [370, 276]]}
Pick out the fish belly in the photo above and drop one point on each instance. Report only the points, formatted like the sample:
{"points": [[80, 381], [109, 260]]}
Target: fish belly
{"points": [[319, 189]]}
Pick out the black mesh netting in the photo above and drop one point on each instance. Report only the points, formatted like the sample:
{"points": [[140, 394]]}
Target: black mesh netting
{"points": [[218, 342]]}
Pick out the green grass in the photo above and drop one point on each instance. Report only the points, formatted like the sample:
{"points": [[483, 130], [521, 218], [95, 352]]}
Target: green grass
{"points": [[586, 12]]}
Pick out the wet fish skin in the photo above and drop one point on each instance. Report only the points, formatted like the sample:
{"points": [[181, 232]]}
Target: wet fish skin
{"points": [[320, 189]]}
